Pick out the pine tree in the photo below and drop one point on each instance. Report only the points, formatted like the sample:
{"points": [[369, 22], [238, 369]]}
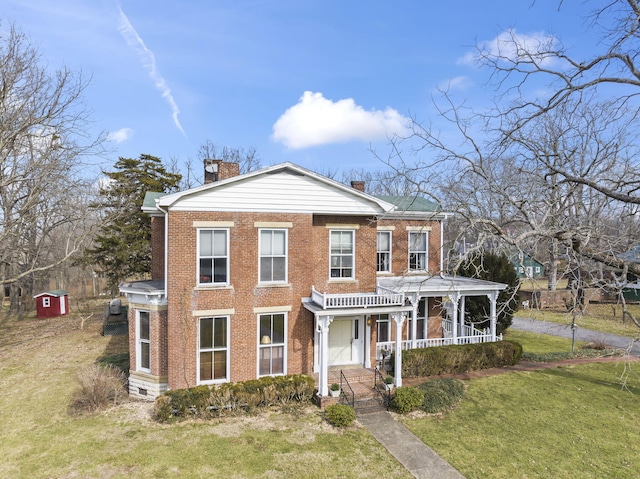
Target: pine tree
{"points": [[491, 267], [123, 246]]}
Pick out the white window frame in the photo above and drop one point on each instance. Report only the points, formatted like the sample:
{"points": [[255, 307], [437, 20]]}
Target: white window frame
{"points": [[142, 341], [383, 319], [352, 232], [424, 252], [46, 302], [419, 334], [264, 343], [212, 349], [379, 252], [213, 257], [262, 255]]}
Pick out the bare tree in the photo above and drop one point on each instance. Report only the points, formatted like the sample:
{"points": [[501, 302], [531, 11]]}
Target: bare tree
{"points": [[43, 140]]}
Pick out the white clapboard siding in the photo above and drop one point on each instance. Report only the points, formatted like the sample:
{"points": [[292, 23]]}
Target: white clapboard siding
{"points": [[282, 191]]}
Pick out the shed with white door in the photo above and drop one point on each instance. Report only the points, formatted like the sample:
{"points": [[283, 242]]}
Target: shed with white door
{"points": [[52, 303]]}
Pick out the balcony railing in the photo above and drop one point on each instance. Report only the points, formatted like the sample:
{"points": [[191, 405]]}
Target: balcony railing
{"points": [[357, 300]]}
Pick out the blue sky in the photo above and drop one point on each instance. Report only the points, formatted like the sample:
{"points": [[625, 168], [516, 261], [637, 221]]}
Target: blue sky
{"points": [[317, 83]]}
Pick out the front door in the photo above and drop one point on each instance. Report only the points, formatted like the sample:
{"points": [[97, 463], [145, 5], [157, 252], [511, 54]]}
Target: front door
{"points": [[345, 342]]}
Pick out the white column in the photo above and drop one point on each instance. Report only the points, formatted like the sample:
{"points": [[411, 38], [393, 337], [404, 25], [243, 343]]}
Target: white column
{"points": [[367, 341], [462, 306], [493, 299], [322, 326], [455, 299], [414, 324], [397, 366]]}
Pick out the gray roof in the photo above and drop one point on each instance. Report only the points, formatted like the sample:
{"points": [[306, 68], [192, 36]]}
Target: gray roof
{"points": [[439, 285], [150, 198], [412, 203]]}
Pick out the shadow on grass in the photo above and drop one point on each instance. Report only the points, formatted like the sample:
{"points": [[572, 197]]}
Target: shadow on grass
{"points": [[577, 375]]}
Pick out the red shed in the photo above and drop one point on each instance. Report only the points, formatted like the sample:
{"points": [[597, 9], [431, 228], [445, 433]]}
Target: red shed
{"points": [[52, 303]]}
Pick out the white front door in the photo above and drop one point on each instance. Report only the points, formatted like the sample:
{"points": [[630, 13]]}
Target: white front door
{"points": [[345, 341]]}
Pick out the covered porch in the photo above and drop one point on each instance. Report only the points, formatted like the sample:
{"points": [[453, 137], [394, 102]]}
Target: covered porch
{"points": [[399, 298]]}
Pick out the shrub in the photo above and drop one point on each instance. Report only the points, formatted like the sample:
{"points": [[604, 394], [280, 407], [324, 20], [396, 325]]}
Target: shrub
{"points": [[454, 359], [234, 398], [407, 399], [441, 395], [340, 415], [100, 386], [335, 387]]}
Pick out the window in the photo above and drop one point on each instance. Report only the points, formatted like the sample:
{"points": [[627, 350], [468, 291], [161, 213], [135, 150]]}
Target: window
{"points": [[271, 344], [421, 321], [144, 342], [273, 256], [213, 351], [417, 251], [384, 251], [537, 269], [384, 328], [46, 302], [342, 254], [213, 264]]}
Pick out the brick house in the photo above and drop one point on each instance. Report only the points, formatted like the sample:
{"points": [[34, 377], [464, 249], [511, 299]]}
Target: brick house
{"points": [[283, 271]]}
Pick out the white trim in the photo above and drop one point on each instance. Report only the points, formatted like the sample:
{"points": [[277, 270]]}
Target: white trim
{"points": [[426, 251], [228, 257], [353, 255], [213, 312], [418, 228], [227, 349], [272, 309], [273, 224], [213, 224], [46, 302], [285, 343], [390, 265], [139, 341], [342, 226], [284, 280], [386, 228]]}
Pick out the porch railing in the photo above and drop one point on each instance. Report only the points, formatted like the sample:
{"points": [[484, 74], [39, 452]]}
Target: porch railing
{"points": [[357, 300], [468, 329], [346, 390], [390, 346]]}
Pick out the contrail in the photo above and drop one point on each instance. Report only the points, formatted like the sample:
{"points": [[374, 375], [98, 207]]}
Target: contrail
{"points": [[149, 61]]}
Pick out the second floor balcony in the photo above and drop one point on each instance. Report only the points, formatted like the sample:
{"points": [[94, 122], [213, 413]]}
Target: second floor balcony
{"points": [[382, 297]]}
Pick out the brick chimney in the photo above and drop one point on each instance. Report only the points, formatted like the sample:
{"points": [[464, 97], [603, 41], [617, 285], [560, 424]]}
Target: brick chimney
{"points": [[358, 185], [216, 170]]}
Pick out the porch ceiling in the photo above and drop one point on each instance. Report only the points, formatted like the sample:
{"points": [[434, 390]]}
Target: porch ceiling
{"points": [[426, 285]]}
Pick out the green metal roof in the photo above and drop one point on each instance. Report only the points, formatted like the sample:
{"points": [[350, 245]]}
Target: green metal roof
{"points": [[412, 203], [150, 198]]}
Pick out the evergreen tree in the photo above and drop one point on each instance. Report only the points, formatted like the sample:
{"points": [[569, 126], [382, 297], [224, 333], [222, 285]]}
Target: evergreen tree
{"points": [[491, 267], [123, 246]]}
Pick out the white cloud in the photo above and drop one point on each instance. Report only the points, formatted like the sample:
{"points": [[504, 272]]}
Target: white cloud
{"points": [[456, 83], [512, 46], [149, 61], [316, 120], [123, 134]]}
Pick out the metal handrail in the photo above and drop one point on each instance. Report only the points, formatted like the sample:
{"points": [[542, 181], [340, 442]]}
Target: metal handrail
{"points": [[344, 392], [378, 387]]}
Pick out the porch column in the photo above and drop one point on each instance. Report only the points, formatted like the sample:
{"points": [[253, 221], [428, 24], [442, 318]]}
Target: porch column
{"points": [[367, 341], [414, 324], [493, 299], [322, 326], [397, 366], [455, 299], [462, 315]]}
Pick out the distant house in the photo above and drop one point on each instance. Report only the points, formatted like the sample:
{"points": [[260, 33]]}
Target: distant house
{"points": [[527, 267], [284, 271], [52, 303]]}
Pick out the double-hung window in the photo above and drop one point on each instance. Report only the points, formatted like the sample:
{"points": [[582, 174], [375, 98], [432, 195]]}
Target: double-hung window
{"points": [[273, 256], [272, 344], [342, 254], [384, 251], [213, 351], [46, 302], [417, 251], [213, 256], [383, 328], [143, 352]]}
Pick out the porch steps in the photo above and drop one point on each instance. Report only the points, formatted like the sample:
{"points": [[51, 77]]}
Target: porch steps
{"points": [[361, 381]]}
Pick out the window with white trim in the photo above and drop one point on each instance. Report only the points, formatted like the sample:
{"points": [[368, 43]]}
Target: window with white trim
{"points": [[272, 337], [342, 253], [213, 350], [384, 252], [143, 353], [421, 321], [213, 256], [273, 256], [417, 251], [46, 302], [383, 325]]}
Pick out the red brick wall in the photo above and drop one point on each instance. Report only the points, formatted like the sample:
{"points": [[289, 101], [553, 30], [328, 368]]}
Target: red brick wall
{"points": [[400, 244], [157, 247], [158, 352]]}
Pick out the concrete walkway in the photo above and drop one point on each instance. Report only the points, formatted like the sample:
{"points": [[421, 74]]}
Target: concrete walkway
{"points": [[564, 331], [418, 458]]}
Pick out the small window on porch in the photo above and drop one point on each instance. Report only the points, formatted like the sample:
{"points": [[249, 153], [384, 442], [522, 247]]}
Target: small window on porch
{"points": [[383, 328]]}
